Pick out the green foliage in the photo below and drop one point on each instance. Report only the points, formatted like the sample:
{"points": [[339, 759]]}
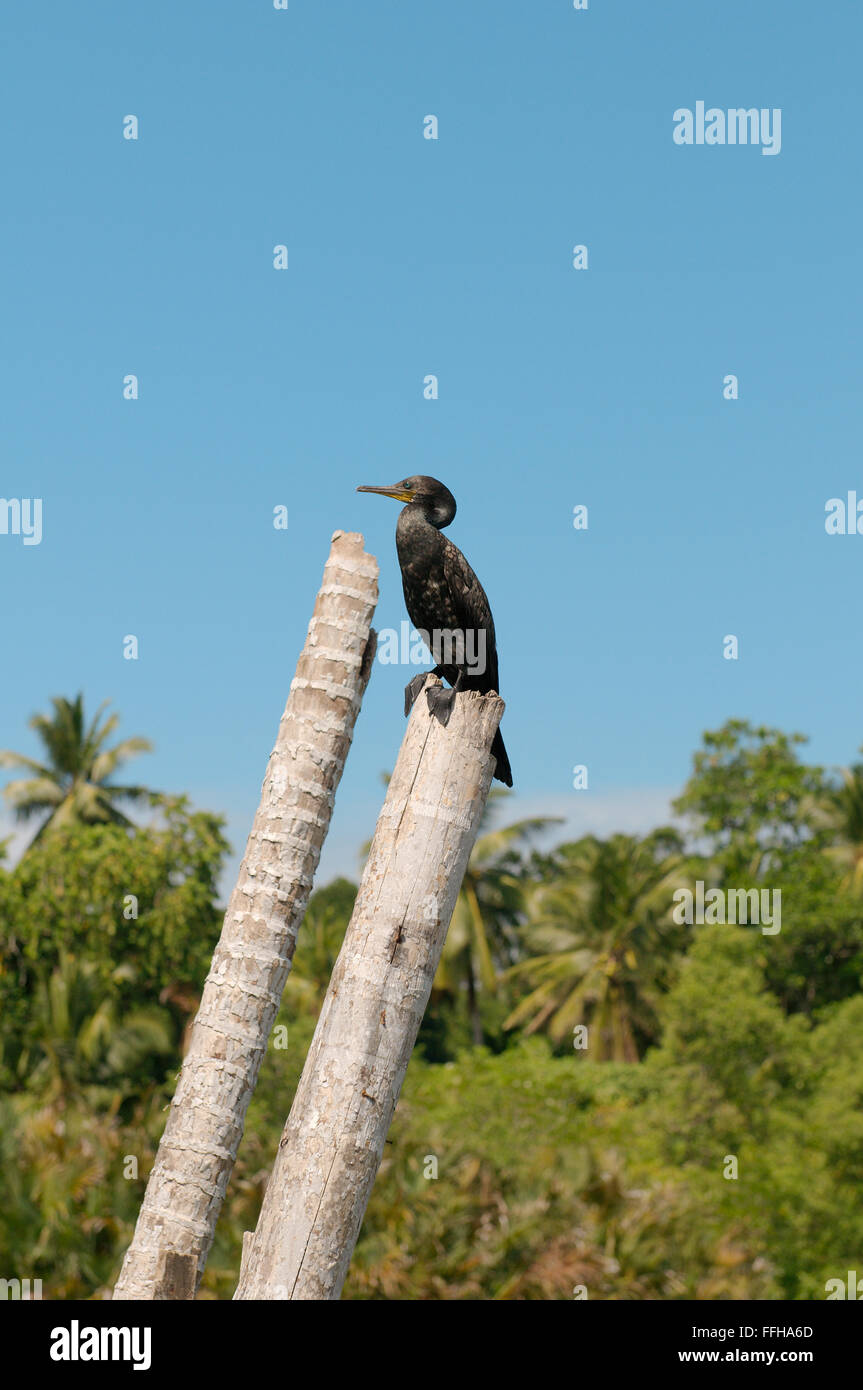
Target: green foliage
{"points": [[738, 1078], [320, 941], [69, 919], [817, 958], [843, 813], [707, 1145], [752, 797]]}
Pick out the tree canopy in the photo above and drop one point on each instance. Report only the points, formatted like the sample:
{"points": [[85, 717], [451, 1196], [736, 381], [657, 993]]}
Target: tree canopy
{"points": [[603, 1102]]}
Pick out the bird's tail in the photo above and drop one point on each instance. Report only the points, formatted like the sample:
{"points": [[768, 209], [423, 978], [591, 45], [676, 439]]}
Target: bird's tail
{"points": [[502, 772]]}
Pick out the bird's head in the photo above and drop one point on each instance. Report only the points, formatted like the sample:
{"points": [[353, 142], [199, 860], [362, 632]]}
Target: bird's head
{"points": [[434, 500]]}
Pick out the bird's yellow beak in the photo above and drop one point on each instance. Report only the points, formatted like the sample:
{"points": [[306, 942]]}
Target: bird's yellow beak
{"points": [[397, 491]]}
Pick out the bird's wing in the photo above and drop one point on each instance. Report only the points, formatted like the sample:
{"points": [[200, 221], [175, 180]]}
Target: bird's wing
{"points": [[468, 595], [470, 603]]}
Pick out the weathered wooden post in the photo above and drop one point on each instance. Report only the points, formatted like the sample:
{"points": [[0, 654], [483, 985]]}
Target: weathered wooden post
{"points": [[250, 965], [334, 1138]]}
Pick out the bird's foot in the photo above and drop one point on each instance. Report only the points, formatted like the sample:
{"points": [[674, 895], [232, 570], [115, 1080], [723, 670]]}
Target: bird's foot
{"points": [[412, 690], [441, 703]]}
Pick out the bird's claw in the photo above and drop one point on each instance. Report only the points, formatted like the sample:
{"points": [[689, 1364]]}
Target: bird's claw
{"points": [[412, 690], [441, 703]]}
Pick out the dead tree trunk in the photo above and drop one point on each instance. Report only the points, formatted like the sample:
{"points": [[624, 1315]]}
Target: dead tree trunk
{"points": [[251, 962], [334, 1138]]}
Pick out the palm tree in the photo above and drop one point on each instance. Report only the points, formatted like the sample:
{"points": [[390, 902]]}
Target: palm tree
{"points": [[601, 929], [482, 941], [72, 786]]}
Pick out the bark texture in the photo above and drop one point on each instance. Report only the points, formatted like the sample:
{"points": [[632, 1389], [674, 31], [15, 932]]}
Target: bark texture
{"points": [[332, 1145], [251, 962]]}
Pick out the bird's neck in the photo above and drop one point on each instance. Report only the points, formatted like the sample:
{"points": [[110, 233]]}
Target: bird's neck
{"points": [[417, 537]]}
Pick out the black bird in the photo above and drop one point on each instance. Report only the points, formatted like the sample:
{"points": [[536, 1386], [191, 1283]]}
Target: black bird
{"points": [[445, 602]]}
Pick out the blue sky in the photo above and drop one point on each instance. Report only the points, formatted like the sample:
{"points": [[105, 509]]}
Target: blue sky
{"points": [[453, 257]]}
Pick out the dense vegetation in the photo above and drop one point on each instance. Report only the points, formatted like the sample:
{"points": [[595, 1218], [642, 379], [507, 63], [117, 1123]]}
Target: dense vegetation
{"points": [[590, 1075]]}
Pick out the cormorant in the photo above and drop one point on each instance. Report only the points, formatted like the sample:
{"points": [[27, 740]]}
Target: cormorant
{"points": [[445, 602]]}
